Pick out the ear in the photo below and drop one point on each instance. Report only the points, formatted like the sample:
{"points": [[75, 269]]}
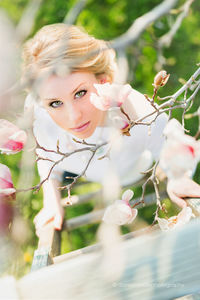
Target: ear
{"points": [[102, 78]]}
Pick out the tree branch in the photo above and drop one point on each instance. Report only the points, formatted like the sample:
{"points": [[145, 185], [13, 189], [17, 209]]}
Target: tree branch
{"points": [[141, 23], [73, 14], [27, 20], [166, 39]]}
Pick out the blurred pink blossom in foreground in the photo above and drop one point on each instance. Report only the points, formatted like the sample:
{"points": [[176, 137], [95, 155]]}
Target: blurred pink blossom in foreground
{"points": [[110, 95], [180, 153], [6, 184], [12, 139], [120, 212], [176, 221]]}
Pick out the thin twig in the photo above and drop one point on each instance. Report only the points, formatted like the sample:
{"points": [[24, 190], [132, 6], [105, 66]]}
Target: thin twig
{"points": [[93, 147], [69, 186]]}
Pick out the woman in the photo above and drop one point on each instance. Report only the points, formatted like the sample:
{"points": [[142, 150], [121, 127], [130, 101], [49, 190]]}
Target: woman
{"points": [[71, 65]]}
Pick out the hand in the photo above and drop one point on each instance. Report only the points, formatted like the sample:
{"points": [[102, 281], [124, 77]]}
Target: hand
{"points": [[48, 214], [182, 187]]}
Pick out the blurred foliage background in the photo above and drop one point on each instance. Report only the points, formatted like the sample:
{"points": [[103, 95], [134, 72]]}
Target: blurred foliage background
{"points": [[107, 19]]}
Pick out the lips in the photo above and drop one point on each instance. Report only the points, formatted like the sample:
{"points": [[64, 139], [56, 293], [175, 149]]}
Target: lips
{"points": [[82, 127]]}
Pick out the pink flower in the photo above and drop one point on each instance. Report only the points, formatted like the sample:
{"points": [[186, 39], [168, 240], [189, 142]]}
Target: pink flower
{"points": [[176, 221], [12, 139], [180, 153], [110, 95], [120, 212], [6, 184]]}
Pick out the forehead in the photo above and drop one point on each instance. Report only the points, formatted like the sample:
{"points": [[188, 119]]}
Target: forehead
{"points": [[67, 83]]}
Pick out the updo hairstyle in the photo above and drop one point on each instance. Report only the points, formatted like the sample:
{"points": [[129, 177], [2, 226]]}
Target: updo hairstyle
{"points": [[69, 46]]}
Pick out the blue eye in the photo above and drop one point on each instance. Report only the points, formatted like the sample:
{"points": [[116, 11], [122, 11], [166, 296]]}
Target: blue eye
{"points": [[55, 104], [80, 94]]}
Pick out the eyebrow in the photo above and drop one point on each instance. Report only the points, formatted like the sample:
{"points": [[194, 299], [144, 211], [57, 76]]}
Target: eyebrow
{"points": [[56, 99], [77, 87]]}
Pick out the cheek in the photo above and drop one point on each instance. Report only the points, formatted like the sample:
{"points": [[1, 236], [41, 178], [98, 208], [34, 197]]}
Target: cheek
{"points": [[91, 111], [52, 114], [56, 116]]}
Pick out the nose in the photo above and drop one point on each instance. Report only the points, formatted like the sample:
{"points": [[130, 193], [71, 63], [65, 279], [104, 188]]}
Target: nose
{"points": [[74, 114]]}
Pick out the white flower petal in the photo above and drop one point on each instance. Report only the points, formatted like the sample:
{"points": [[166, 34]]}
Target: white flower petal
{"points": [[98, 102], [127, 195], [180, 153], [7, 191], [5, 173], [113, 112], [124, 92], [134, 215], [119, 123], [112, 95], [163, 223], [10, 132], [119, 213], [185, 215], [102, 89], [176, 221], [19, 136], [173, 126]]}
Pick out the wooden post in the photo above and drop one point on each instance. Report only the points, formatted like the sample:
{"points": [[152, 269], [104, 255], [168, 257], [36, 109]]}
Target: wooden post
{"points": [[50, 239]]}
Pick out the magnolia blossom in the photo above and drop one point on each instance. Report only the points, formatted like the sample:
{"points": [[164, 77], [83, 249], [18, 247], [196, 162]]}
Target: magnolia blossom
{"points": [[176, 221], [12, 139], [118, 120], [120, 212], [110, 95], [6, 184], [180, 153]]}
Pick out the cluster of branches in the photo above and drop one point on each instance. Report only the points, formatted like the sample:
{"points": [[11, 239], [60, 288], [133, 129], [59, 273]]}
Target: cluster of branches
{"points": [[120, 44], [172, 102]]}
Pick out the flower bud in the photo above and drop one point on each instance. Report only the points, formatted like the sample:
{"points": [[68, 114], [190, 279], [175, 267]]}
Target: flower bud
{"points": [[126, 130], [160, 79]]}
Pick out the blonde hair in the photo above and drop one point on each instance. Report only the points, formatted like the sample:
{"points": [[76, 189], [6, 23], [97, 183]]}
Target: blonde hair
{"points": [[72, 46]]}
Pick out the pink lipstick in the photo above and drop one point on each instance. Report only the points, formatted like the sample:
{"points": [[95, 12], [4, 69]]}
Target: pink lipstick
{"points": [[81, 128]]}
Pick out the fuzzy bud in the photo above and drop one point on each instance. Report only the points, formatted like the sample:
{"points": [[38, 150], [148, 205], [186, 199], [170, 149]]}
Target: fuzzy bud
{"points": [[160, 79]]}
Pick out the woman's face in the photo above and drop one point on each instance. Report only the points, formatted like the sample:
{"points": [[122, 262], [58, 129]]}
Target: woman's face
{"points": [[67, 100]]}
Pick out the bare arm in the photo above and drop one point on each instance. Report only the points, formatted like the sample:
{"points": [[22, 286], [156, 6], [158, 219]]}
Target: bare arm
{"points": [[52, 209]]}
